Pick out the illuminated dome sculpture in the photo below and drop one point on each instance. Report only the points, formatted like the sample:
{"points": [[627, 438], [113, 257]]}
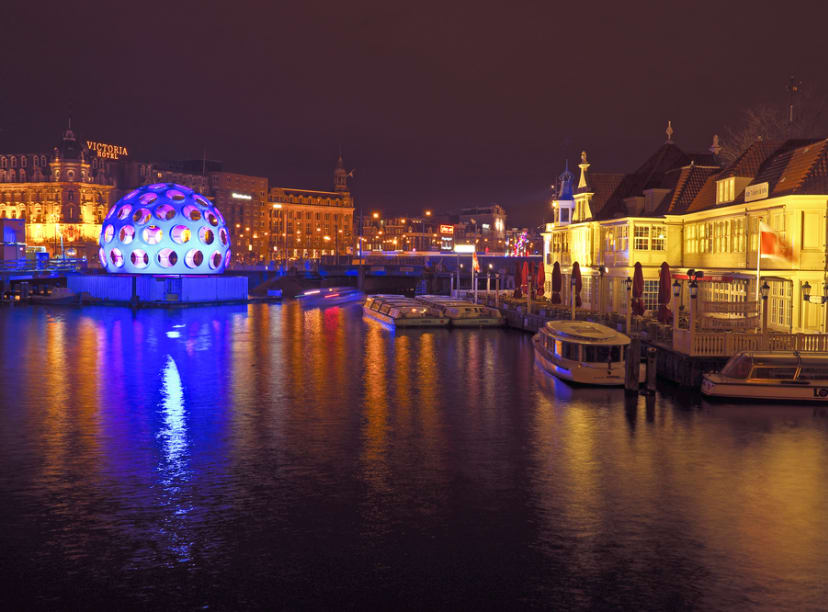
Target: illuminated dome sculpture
{"points": [[164, 229]]}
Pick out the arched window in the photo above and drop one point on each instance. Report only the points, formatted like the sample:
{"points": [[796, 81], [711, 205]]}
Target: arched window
{"points": [[4, 163], [12, 176], [43, 160], [71, 196], [14, 162], [36, 161]]}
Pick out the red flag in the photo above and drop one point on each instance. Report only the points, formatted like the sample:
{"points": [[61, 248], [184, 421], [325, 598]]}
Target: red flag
{"points": [[475, 263], [773, 245]]}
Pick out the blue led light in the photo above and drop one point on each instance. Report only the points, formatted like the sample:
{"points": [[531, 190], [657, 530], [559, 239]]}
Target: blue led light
{"points": [[164, 229]]}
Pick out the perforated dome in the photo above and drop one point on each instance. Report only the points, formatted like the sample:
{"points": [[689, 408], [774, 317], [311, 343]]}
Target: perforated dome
{"points": [[164, 229]]}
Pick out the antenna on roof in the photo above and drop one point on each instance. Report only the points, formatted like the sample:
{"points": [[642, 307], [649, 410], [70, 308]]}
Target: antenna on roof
{"points": [[669, 131], [793, 89], [715, 148]]}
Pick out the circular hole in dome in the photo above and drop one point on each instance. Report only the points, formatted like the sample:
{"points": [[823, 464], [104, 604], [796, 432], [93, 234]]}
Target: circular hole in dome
{"points": [[202, 201], [141, 216], [191, 212], [109, 232], [194, 258], [180, 234], [126, 234], [215, 260], [131, 194], [223, 236], [112, 211], [158, 186], [227, 259], [165, 212], [116, 257], [218, 214], [152, 234], [102, 256], [167, 258], [205, 234], [123, 213], [175, 195], [148, 198], [211, 218], [139, 258]]}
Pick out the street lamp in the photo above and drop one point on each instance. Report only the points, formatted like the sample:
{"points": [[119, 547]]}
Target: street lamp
{"points": [[765, 290]]}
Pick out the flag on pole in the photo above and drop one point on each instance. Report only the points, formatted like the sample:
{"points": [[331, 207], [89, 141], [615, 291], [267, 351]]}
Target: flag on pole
{"points": [[475, 263], [772, 245]]}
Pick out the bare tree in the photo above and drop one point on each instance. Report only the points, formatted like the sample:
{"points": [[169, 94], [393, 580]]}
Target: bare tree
{"points": [[803, 115]]}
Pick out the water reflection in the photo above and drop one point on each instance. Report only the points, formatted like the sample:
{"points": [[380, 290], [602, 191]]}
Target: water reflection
{"points": [[231, 457]]}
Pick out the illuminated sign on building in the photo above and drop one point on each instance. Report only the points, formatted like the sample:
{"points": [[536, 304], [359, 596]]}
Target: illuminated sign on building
{"points": [[756, 192], [464, 248], [241, 196], [107, 151], [447, 229]]}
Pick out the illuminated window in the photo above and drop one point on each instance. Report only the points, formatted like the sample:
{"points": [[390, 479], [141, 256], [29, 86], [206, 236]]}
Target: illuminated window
{"points": [[641, 235]]}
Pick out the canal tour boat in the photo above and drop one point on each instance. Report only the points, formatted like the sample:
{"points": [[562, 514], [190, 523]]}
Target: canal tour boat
{"points": [[774, 376], [463, 314], [402, 312], [583, 352]]}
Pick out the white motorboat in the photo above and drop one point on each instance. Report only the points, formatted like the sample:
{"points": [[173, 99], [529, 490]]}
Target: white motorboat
{"points": [[463, 314], [329, 296], [583, 352], [776, 376], [402, 312]]}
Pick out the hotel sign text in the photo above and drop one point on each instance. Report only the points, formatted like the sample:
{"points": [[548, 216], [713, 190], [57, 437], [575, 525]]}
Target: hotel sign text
{"points": [[756, 192], [107, 151]]}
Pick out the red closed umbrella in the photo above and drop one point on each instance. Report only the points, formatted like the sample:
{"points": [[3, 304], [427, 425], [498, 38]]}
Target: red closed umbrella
{"points": [[664, 287], [576, 275], [638, 290], [557, 282], [541, 279]]}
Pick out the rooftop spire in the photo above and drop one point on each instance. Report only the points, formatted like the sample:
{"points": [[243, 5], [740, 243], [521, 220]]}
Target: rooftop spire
{"points": [[669, 131], [715, 148], [583, 182]]}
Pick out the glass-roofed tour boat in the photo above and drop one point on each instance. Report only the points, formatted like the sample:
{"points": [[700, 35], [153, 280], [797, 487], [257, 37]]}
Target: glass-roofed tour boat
{"points": [[774, 376], [583, 352], [402, 312], [463, 314]]}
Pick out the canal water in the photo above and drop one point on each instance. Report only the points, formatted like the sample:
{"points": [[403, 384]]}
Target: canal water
{"points": [[271, 456]]}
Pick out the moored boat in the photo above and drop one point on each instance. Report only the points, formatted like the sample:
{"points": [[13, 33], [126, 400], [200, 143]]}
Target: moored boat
{"points": [[583, 352], [772, 376], [402, 312], [463, 314]]}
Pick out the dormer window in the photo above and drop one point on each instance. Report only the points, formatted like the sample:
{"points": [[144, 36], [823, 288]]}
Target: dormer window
{"points": [[725, 190]]}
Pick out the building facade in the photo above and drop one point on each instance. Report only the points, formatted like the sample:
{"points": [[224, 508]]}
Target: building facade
{"points": [[307, 224], [63, 196], [693, 213]]}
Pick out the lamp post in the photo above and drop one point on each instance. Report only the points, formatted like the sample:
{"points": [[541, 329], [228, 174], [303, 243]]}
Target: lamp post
{"points": [[694, 292], [628, 284], [601, 271], [676, 294], [765, 289]]}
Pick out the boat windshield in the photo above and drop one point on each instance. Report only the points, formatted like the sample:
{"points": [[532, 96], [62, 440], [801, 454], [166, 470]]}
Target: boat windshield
{"points": [[738, 367], [602, 354]]}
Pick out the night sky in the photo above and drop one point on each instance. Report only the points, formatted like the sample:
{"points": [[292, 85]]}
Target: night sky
{"points": [[436, 105]]}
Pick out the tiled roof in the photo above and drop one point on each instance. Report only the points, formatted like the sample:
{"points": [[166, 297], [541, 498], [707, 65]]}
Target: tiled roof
{"points": [[603, 185], [653, 173], [748, 163], [706, 196], [691, 180]]}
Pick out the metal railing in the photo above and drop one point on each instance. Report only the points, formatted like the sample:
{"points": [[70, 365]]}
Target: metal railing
{"points": [[50, 265], [708, 344]]}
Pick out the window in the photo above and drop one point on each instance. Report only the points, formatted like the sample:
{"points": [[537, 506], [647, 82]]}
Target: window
{"points": [[641, 233], [650, 296], [779, 303], [621, 242], [658, 234]]}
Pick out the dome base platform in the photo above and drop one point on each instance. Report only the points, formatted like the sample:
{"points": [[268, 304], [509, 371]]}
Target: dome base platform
{"points": [[152, 289]]}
